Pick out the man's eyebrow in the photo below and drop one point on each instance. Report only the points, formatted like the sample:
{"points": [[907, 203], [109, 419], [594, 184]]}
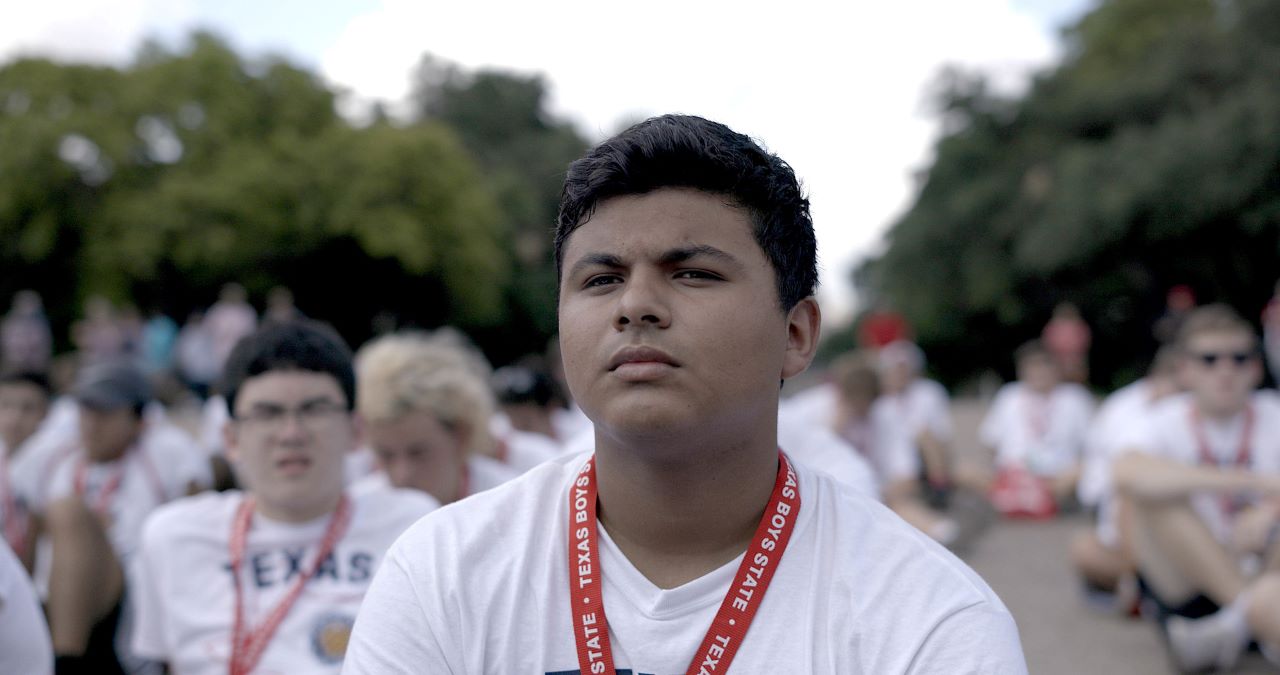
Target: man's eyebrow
{"points": [[685, 253], [595, 259]]}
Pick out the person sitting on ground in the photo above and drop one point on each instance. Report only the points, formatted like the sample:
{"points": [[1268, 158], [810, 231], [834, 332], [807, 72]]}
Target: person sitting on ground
{"points": [[1202, 480], [919, 408], [427, 416], [100, 494], [269, 579], [687, 267], [24, 404], [1036, 428], [881, 437], [1103, 554]]}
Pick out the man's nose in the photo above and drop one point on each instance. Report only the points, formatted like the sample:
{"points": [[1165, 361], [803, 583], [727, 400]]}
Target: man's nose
{"points": [[643, 301]]}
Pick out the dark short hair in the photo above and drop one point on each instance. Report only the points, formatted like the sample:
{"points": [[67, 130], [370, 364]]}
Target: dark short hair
{"points": [[683, 151], [30, 378], [289, 345]]}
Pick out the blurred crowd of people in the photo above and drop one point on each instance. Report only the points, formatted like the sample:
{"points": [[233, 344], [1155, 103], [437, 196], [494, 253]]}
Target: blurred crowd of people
{"points": [[118, 505], [1179, 470]]}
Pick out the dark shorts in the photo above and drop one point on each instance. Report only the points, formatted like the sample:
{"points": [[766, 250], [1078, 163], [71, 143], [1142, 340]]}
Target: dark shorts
{"points": [[100, 654], [1198, 606]]}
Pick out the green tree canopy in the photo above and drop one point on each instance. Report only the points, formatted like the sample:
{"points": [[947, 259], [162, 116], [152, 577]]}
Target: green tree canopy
{"points": [[1149, 157], [160, 181]]}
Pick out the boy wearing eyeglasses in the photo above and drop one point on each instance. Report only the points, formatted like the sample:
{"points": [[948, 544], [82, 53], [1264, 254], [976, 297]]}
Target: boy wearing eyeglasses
{"points": [[1203, 477], [269, 579]]}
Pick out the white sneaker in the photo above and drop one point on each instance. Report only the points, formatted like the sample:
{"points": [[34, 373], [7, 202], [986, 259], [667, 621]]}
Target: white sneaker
{"points": [[1213, 642], [1270, 653]]}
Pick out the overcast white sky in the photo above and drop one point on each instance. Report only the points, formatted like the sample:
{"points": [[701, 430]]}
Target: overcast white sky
{"points": [[836, 89]]}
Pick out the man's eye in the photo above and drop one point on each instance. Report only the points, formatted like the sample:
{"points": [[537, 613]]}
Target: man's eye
{"points": [[696, 274], [600, 280]]}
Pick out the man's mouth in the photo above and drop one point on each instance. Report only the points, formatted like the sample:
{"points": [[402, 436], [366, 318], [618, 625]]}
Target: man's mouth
{"points": [[293, 465], [641, 356]]}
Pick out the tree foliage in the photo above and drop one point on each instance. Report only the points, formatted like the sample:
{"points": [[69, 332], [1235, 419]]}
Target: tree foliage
{"points": [[159, 182], [1149, 157]]}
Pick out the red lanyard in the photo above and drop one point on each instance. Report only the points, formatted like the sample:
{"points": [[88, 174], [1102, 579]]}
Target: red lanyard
{"points": [[729, 628], [248, 645], [1243, 455], [15, 522], [102, 505], [1242, 459]]}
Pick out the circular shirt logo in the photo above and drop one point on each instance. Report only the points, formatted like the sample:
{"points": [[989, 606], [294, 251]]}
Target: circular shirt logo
{"points": [[330, 636]]}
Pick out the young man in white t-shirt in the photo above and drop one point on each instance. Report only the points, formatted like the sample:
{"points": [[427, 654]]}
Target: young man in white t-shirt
{"points": [[1203, 479], [269, 580], [120, 469], [914, 417], [427, 419], [687, 266], [1036, 428]]}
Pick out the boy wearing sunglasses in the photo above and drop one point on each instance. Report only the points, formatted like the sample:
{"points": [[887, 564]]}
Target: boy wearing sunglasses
{"points": [[1203, 476]]}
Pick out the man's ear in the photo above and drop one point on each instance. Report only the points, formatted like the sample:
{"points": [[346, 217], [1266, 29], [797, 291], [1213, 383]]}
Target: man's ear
{"points": [[804, 327]]}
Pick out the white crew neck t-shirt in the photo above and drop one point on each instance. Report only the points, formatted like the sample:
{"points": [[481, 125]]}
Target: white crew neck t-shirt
{"points": [[1169, 433], [482, 586], [185, 599], [1043, 433]]}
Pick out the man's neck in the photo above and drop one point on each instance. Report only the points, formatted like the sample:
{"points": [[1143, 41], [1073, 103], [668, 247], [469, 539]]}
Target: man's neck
{"points": [[1224, 414], [678, 520], [296, 513]]}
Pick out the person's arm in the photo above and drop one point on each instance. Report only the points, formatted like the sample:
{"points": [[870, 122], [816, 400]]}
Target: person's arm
{"points": [[1145, 477], [977, 640], [393, 633]]}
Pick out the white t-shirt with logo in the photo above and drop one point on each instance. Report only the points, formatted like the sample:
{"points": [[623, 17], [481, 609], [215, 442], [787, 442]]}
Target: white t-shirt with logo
{"points": [[1043, 433], [1169, 433], [158, 469], [482, 586], [185, 599]]}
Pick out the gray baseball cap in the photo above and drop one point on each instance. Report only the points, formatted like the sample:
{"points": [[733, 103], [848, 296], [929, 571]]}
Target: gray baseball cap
{"points": [[112, 385]]}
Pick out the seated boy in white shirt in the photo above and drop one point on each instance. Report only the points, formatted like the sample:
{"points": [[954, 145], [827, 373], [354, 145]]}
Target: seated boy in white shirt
{"points": [[1203, 481], [688, 540], [1036, 427], [269, 580], [427, 418], [120, 468]]}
